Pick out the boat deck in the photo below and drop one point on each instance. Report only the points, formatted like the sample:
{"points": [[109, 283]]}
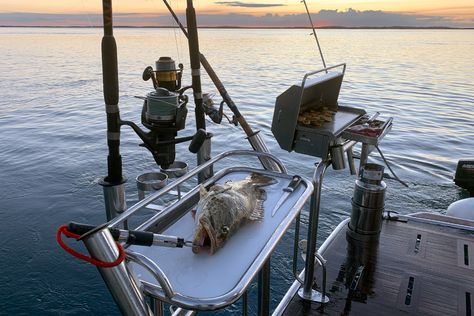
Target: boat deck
{"points": [[423, 266]]}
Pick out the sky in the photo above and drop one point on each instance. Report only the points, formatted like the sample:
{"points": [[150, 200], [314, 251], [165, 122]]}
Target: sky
{"points": [[245, 13]]}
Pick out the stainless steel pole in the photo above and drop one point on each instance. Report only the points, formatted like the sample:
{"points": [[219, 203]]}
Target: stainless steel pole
{"points": [[126, 293], [308, 292]]}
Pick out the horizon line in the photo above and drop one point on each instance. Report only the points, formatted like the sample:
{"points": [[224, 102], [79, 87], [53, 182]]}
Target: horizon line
{"points": [[399, 27]]}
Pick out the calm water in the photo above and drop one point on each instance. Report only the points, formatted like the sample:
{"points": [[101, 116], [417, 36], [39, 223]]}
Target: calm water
{"points": [[53, 149]]}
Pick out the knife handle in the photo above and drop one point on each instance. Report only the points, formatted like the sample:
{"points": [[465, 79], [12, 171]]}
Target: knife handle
{"points": [[295, 181]]}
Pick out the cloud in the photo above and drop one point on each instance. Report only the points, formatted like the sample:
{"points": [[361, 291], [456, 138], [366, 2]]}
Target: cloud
{"points": [[348, 18], [249, 5]]}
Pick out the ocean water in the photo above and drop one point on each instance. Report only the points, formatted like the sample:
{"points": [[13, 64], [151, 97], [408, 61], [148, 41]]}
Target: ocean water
{"points": [[53, 147]]}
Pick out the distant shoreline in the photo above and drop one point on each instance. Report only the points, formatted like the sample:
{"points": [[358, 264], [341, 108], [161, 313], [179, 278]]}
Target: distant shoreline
{"points": [[257, 27]]}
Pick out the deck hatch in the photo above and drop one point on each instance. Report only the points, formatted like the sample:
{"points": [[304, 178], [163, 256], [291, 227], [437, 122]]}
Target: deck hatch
{"points": [[468, 304], [466, 254], [417, 243], [408, 297]]}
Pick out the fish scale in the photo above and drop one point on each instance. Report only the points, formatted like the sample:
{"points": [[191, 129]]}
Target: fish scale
{"points": [[223, 209]]}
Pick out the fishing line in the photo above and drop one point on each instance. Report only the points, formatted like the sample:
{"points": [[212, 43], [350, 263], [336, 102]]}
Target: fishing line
{"points": [[175, 35], [87, 15], [314, 33], [389, 168], [177, 45]]}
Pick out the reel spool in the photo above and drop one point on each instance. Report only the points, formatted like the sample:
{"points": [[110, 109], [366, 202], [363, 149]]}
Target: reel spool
{"points": [[166, 75]]}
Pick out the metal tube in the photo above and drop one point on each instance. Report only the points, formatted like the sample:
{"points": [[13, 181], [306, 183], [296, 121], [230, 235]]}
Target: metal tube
{"points": [[364, 154], [264, 290], [126, 293], [154, 269], [295, 248], [244, 304], [313, 227], [322, 262], [114, 199], [350, 159], [157, 307], [183, 312]]}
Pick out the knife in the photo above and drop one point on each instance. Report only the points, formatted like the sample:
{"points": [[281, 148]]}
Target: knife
{"points": [[295, 181]]}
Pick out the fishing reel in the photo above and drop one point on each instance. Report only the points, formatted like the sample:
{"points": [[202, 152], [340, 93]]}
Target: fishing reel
{"points": [[164, 113]]}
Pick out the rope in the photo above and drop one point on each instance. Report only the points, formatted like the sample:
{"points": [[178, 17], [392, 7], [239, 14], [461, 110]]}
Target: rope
{"points": [[64, 230]]}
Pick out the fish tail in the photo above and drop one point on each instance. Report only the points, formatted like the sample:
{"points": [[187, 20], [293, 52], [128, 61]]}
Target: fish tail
{"points": [[261, 180]]}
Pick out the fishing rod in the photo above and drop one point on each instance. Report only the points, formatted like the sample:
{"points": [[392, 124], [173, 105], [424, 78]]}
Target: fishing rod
{"points": [[113, 183], [315, 35], [204, 152], [254, 138]]}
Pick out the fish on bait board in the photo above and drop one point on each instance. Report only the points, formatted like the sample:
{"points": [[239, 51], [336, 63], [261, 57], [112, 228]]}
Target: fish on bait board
{"points": [[225, 207]]}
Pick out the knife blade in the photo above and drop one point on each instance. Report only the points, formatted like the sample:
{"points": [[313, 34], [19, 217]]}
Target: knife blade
{"points": [[295, 181]]}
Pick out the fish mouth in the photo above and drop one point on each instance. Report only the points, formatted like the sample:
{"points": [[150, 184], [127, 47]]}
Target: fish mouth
{"points": [[204, 240]]}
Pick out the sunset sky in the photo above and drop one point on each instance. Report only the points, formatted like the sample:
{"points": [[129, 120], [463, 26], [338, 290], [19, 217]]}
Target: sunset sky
{"points": [[454, 13]]}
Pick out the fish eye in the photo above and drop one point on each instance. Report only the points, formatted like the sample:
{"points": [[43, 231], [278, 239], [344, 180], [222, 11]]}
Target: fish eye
{"points": [[224, 230]]}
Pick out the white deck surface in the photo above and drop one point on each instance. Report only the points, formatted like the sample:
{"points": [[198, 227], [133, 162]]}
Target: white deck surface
{"points": [[208, 276]]}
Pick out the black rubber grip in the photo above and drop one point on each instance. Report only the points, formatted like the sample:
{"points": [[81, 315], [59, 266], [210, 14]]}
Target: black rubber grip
{"points": [[140, 238], [135, 237], [197, 141]]}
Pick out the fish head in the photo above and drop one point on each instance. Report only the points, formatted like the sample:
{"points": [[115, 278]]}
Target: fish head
{"points": [[212, 222], [208, 237]]}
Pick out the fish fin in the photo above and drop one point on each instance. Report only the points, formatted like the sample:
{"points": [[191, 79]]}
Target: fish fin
{"points": [[202, 191], [258, 211]]}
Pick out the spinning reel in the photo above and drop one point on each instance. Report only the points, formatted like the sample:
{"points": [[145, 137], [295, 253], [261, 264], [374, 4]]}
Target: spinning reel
{"points": [[164, 114]]}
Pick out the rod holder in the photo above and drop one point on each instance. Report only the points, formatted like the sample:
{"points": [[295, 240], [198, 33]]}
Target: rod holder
{"points": [[114, 198], [125, 291], [150, 181]]}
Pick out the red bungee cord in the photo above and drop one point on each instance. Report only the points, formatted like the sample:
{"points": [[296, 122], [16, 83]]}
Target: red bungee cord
{"points": [[64, 230]]}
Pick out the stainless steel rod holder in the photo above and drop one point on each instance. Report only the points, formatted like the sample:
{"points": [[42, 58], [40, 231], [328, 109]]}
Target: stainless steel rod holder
{"points": [[114, 200], [125, 291]]}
